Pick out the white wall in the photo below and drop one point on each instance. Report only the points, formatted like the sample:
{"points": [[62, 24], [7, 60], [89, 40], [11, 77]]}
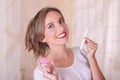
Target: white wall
{"points": [[2, 40]]}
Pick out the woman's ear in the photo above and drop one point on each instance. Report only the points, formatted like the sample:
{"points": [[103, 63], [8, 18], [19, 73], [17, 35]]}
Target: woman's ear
{"points": [[43, 40]]}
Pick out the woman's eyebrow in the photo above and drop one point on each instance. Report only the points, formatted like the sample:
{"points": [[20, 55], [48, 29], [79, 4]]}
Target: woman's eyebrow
{"points": [[61, 18]]}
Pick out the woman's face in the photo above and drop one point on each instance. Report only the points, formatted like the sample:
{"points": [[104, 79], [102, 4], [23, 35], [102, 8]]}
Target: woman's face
{"points": [[56, 30]]}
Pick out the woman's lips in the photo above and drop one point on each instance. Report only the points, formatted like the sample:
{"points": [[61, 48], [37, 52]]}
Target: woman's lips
{"points": [[62, 35]]}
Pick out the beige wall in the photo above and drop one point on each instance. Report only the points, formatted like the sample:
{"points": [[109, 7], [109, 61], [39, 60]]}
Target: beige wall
{"points": [[10, 41]]}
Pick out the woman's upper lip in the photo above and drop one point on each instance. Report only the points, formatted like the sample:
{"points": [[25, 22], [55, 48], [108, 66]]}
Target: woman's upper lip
{"points": [[61, 35]]}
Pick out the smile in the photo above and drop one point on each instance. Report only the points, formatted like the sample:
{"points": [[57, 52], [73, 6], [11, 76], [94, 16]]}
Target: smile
{"points": [[62, 35]]}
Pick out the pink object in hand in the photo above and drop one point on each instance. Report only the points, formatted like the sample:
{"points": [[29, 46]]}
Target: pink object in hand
{"points": [[44, 60]]}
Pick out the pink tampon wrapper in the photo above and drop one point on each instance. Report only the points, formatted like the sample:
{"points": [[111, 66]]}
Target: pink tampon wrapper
{"points": [[44, 61]]}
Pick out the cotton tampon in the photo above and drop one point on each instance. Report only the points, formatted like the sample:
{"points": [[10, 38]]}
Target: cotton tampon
{"points": [[83, 40]]}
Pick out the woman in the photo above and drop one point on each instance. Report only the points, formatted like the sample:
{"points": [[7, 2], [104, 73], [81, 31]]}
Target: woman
{"points": [[47, 35]]}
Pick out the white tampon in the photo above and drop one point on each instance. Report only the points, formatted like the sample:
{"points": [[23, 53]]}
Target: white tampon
{"points": [[83, 40]]}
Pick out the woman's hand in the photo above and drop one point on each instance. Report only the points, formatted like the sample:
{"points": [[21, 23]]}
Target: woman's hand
{"points": [[49, 71], [91, 47]]}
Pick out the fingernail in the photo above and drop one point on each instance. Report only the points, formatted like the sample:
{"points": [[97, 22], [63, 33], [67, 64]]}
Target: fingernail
{"points": [[86, 41]]}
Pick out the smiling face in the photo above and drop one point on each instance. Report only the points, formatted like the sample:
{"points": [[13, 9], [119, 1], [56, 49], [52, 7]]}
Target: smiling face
{"points": [[56, 30]]}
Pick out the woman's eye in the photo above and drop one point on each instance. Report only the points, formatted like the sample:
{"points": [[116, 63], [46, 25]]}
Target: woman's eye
{"points": [[50, 26], [61, 21]]}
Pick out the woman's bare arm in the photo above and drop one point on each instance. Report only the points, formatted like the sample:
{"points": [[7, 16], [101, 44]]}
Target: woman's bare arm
{"points": [[91, 49]]}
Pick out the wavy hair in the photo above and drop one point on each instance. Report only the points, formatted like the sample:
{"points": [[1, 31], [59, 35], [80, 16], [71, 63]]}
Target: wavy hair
{"points": [[35, 33]]}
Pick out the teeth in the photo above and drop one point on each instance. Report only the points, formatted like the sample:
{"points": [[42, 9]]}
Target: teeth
{"points": [[61, 35]]}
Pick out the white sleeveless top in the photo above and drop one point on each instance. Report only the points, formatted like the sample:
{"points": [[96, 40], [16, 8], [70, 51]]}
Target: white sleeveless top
{"points": [[79, 70]]}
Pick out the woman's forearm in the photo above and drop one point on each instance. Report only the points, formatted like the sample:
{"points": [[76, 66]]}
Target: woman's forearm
{"points": [[96, 72]]}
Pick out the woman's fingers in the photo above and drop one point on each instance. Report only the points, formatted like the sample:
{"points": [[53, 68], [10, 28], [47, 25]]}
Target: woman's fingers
{"points": [[49, 67], [53, 67], [90, 42], [50, 76], [50, 72], [87, 40], [91, 47]]}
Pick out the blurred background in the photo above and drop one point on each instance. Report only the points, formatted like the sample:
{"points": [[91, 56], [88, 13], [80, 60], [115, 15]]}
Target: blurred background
{"points": [[101, 17]]}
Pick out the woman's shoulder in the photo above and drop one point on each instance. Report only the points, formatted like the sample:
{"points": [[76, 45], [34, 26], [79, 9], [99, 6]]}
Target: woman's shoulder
{"points": [[38, 75], [37, 70], [80, 54], [77, 50]]}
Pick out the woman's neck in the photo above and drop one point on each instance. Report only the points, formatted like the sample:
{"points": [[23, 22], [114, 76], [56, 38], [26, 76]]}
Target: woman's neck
{"points": [[58, 53]]}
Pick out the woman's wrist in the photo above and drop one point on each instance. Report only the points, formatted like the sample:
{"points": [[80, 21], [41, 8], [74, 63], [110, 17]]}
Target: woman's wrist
{"points": [[91, 57]]}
